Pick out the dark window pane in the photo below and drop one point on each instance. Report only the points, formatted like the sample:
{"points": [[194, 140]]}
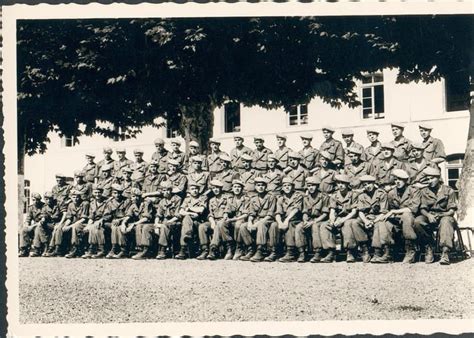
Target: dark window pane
{"points": [[367, 103], [453, 173], [367, 79], [293, 120], [378, 99], [452, 184], [457, 91], [367, 92], [367, 113], [304, 109], [378, 78], [232, 117]]}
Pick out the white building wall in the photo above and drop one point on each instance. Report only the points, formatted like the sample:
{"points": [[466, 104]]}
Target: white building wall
{"points": [[408, 103]]}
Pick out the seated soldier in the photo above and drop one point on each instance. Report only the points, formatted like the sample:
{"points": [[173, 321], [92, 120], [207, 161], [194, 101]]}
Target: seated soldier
{"points": [[176, 178], [273, 176], [382, 169], [81, 185], [160, 155], [152, 181], [315, 211], [235, 216], [167, 219], [372, 205], [260, 155], [281, 153], [76, 217], [33, 220], [95, 224], [139, 217], [197, 175], [356, 168], [226, 175], [51, 214], [438, 207], [247, 175], [325, 172], [114, 214], [217, 207], [261, 218], [106, 180], [193, 210], [296, 171], [403, 205], [309, 155], [125, 180], [237, 152], [287, 216]]}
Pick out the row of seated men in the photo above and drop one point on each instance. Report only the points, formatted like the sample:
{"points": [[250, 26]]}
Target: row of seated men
{"points": [[253, 214]]}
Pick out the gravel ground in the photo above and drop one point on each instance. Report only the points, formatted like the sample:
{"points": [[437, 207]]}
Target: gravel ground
{"points": [[57, 290]]}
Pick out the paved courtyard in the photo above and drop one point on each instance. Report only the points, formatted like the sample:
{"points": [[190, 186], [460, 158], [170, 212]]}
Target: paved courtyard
{"points": [[58, 290]]}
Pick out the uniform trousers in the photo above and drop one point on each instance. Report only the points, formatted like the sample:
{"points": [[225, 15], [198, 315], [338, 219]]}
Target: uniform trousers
{"points": [[446, 225], [76, 231], [165, 232], [405, 222], [37, 236], [230, 231], [266, 232], [98, 234], [323, 238], [354, 233]]}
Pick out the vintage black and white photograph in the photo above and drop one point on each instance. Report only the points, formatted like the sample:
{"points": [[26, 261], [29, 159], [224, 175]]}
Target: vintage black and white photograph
{"points": [[195, 168]]}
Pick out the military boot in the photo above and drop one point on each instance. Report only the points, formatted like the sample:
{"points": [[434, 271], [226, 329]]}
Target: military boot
{"points": [[141, 254], [249, 255], [212, 256], [72, 253], [365, 253], [317, 256], [429, 257], [35, 252], [47, 249], [182, 253], [161, 253], [409, 253], [100, 253], [88, 253], [122, 254], [377, 256], [229, 254], [258, 257], [272, 256], [301, 255], [350, 256], [23, 252], [111, 253], [54, 252], [387, 255], [237, 254], [444, 260], [289, 256], [204, 252], [329, 258]]}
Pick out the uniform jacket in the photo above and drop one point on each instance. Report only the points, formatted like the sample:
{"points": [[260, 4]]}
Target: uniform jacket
{"points": [[119, 165], [116, 210], [191, 202], [335, 148], [138, 211], [298, 177], [51, 214], [356, 145], [383, 172], [314, 206], [102, 162], [187, 166], [409, 198], [373, 205], [168, 208], [178, 156], [433, 148], [162, 159], [343, 205], [34, 213], [226, 176], [213, 162], [61, 195], [415, 172], [97, 209], [152, 182], [327, 177], [85, 189], [237, 205], [106, 185], [179, 182], [373, 153], [402, 148], [76, 212], [309, 157], [248, 178], [236, 156], [274, 178], [217, 206], [438, 201], [260, 207], [141, 167], [282, 157], [356, 171], [201, 179], [285, 204], [260, 158], [91, 172]]}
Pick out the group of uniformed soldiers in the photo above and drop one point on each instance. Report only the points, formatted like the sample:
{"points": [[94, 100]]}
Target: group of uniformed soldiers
{"points": [[252, 205]]}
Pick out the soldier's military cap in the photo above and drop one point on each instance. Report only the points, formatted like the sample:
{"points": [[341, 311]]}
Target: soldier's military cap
{"points": [[306, 136], [194, 144], [388, 146], [238, 182], [430, 171], [90, 155], [398, 125], [283, 136], [75, 192], [258, 138], [246, 157], [238, 137], [159, 141], [138, 151], [166, 185], [36, 196], [367, 178], [355, 150], [197, 158], [213, 140], [287, 180], [48, 194], [373, 131], [294, 154], [127, 169], [120, 150], [260, 180], [326, 155], [172, 161], [437, 160], [313, 180], [347, 132], [271, 157], [79, 173], [107, 150], [176, 141], [420, 146], [343, 178], [329, 128], [154, 163], [97, 187], [106, 167], [136, 192], [117, 187], [217, 183], [400, 173], [225, 157], [60, 175], [193, 184], [426, 126]]}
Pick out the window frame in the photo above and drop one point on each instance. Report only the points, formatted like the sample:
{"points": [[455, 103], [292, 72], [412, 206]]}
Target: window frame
{"points": [[299, 116], [225, 130], [66, 139], [450, 164], [27, 194], [371, 85]]}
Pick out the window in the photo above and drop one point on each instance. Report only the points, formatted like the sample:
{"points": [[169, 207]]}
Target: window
{"points": [[298, 115], [453, 170], [27, 193], [122, 135], [457, 91], [232, 117], [373, 97], [68, 141], [171, 132]]}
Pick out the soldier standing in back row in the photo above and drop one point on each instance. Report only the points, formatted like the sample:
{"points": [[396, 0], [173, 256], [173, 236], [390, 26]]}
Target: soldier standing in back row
{"points": [[260, 156], [237, 152], [197, 175], [247, 175], [176, 153], [332, 146], [188, 163], [374, 151], [90, 169], [348, 137], [122, 162], [160, 155], [213, 159], [296, 171], [106, 160], [273, 176], [401, 144], [434, 148], [309, 155], [282, 152]]}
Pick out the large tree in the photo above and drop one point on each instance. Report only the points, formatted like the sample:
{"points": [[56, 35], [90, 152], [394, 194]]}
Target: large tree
{"points": [[76, 73]]}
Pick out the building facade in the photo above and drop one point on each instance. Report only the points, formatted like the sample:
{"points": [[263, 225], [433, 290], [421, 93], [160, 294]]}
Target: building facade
{"points": [[443, 104]]}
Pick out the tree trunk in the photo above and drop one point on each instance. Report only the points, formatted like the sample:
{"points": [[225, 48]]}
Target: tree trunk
{"points": [[466, 181], [197, 123], [21, 175]]}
